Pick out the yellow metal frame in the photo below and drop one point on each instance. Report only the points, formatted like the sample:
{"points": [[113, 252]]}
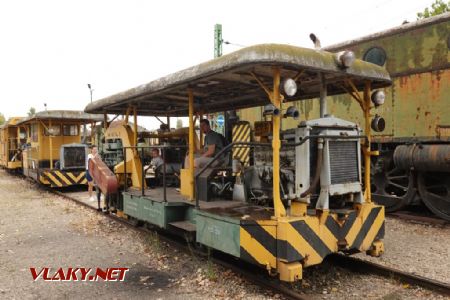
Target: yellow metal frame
{"points": [[134, 164], [191, 144], [365, 104], [279, 208]]}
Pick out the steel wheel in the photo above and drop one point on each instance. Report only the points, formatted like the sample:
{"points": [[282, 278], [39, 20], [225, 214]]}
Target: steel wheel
{"points": [[391, 186], [434, 188]]}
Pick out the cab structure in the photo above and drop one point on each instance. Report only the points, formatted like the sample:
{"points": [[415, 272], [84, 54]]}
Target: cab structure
{"points": [[280, 199], [55, 151], [11, 137]]}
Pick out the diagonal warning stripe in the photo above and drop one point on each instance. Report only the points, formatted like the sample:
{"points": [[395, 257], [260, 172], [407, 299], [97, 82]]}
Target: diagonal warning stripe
{"points": [[72, 176], [257, 251], [311, 237], [53, 179], [287, 252], [80, 176], [266, 239], [374, 228], [367, 225], [334, 227], [302, 246], [63, 178]]}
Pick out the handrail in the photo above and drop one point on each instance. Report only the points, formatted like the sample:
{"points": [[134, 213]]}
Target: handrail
{"points": [[219, 155], [141, 156]]}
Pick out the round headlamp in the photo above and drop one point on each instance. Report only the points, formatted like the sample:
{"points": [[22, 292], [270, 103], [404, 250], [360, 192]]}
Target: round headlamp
{"points": [[290, 87], [378, 98]]}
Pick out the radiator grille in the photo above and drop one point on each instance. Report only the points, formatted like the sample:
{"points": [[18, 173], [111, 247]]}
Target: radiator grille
{"points": [[74, 158], [343, 161]]}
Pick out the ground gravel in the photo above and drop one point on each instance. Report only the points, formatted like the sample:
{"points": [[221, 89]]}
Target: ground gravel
{"points": [[422, 249], [38, 229]]}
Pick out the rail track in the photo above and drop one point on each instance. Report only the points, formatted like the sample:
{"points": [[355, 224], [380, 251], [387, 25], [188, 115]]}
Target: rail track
{"points": [[252, 275], [421, 218]]}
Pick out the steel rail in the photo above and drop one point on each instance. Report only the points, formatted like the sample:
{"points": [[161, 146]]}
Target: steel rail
{"points": [[363, 266], [418, 218]]}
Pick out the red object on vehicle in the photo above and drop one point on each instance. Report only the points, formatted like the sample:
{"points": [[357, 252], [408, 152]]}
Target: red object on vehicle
{"points": [[103, 176]]}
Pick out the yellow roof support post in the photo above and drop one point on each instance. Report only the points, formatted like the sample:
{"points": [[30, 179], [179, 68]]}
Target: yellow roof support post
{"points": [[18, 137], [201, 133], [366, 149], [280, 210], [135, 126], [50, 141], [191, 143]]}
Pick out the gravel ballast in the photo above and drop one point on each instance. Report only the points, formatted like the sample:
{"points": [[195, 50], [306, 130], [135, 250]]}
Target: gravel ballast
{"points": [[39, 229]]}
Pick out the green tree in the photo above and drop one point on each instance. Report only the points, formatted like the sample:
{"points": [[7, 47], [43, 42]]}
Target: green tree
{"points": [[179, 123], [2, 119], [437, 8], [32, 111]]}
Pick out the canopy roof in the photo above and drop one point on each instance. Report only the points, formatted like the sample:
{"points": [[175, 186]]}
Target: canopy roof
{"points": [[67, 115], [227, 82], [11, 122]]}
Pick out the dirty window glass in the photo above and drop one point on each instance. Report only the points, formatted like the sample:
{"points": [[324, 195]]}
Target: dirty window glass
{"points": [[375, 55], [34, 132], [53, 130], [70, 130]]}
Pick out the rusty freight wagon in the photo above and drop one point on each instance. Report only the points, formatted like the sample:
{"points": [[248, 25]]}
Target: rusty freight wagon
{"points": [[414, 160]]}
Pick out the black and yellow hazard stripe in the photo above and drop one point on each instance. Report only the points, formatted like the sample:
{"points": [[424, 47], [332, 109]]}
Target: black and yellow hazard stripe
{"points": [[258, 243], [241, 133], [309, 239], [369, 228], [58, 178]]}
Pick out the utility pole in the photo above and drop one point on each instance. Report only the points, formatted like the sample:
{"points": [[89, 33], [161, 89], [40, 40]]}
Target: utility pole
{"points": [[222, 123], [90, 90], [218, 118], [218, 41]]}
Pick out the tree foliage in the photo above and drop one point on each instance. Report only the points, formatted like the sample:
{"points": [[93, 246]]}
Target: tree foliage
{"points": [[32, 111], [437, 8], [2, 119]]}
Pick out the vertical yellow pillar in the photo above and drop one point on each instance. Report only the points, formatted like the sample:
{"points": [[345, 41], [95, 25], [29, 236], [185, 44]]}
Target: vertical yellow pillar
{"points": [[276, 100], [367, 152], [191, 143], [135, 126], [18, 137], [50, 141], [201, 133]]}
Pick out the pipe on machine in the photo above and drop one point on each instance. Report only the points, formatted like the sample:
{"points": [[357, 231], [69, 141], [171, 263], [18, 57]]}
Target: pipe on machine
{"points": [[430, 158]]}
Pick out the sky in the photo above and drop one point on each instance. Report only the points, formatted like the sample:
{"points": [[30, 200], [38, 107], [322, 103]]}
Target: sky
{"points": [[50, 50]]}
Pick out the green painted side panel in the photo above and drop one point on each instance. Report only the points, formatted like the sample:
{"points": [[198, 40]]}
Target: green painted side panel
{"points": [[190, 214], [131, 205], [154, 212], [218, 233]]}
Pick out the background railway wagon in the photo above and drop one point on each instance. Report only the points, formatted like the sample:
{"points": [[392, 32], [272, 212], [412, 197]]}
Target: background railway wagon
{"points": [[55, 153], [416, 113], [11, 137]]}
